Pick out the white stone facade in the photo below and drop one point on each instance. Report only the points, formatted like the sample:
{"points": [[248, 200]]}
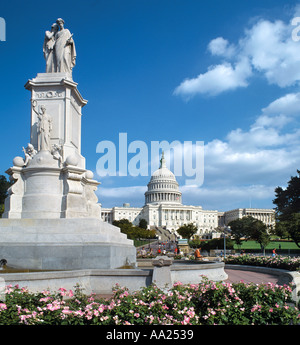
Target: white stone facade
{"points": [[267, 216]]}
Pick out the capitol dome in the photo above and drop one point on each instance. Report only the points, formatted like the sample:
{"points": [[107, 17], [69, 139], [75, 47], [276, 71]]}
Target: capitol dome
{"points": [[163, 187]]}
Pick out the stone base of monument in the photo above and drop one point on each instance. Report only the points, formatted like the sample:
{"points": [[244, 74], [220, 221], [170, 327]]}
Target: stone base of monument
{"points": [[52, 215], [64, 244]]}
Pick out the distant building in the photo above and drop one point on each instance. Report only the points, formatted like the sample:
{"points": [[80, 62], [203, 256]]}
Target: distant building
{"points": [[267, 216], [163, 208]]}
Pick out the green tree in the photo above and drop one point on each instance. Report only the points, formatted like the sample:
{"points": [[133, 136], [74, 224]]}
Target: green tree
{"points": [[187, 230], [133, 232], [258, 232], [125, 226], [4, 185], [287, 210], [238, 230], [122, 222], [143, 223], [289, 228], [216, 243], [250, 228]]}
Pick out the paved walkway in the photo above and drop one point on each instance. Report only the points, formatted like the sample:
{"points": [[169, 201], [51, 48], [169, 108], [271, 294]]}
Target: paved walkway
{"points": [[234, 276]]}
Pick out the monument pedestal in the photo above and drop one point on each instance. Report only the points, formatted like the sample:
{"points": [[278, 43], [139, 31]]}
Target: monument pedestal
{"points": [[52, 216], [58, 93], [64, 244]]}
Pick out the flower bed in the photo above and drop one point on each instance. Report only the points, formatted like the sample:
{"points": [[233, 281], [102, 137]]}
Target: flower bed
{"points": [[282, 262], [197, 304]]}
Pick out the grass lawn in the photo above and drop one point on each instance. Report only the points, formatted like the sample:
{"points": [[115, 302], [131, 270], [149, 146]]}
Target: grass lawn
{"points": [[273, 244], [139, 243]]}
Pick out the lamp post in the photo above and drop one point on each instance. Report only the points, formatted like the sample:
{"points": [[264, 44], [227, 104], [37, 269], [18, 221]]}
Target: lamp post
{"points": [[224, 244], [228, 230]]}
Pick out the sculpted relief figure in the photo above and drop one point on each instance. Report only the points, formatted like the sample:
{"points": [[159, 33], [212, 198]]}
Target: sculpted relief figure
{"points": [[57, 153], [44, 127], [59, 49], [29, 152]]}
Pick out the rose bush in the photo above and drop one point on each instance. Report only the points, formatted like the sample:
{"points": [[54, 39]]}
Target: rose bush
{"points": [[282, 262], [196, 304]]}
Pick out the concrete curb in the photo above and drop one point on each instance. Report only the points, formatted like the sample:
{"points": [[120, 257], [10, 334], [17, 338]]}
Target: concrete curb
{"points": [[259, 269]]}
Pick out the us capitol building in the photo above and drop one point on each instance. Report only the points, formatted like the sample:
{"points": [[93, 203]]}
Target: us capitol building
{"points": [[164, 209]]}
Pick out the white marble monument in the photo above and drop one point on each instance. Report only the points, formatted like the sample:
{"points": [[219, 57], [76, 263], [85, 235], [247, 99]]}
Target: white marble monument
{"points": [[52, 216]]}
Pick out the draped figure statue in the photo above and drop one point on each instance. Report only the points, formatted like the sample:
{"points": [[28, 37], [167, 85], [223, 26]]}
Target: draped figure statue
{"points": [[48, 49], [65, 52], [44, 127], [59, 49]]}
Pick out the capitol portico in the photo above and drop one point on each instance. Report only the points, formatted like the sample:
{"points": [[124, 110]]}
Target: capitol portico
{"points": [[164, 209]]}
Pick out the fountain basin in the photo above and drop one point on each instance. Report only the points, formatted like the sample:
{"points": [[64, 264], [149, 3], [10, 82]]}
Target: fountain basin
{"points": [[99, 281], [191, 272], [102, 281]]}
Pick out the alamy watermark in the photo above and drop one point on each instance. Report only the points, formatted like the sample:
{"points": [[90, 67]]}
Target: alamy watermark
{"points": [[2, 29], [295, 21], [187, 158]]}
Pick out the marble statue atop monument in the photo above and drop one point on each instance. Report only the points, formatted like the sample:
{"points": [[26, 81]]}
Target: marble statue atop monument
{"points": [[59, 49], [52, 215]]}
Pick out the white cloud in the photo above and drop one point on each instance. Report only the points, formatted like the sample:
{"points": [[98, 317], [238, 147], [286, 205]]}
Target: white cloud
{"points": [[264, 154], [217, 79], [271, 121], [122, 192], [224, 198], [272, 51], [246, 165], [267, 48], [221, 47], [116, 196], [288, 104]]}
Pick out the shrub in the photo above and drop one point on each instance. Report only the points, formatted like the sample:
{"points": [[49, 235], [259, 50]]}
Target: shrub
{"points": [[200, 304], [217, 243], [282, 262]]}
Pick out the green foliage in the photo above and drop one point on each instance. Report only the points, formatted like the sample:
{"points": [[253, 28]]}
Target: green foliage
{"points": [[133, 232], [187, 230], [143, 224], [4, 185], [195, 243], [289, 226], [216, 243], [250, 228], [287, 200], [206, 303], [287, 209], [1, 210], [281, 262], [239, 229]]}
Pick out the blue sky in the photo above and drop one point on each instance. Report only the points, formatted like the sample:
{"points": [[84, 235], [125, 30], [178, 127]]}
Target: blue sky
{"points": [[223, 72]]}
